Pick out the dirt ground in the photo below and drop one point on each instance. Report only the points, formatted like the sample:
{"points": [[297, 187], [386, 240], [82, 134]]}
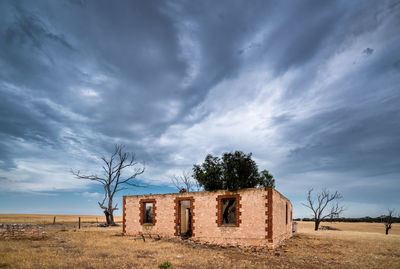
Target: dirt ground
{"points": [[353, 245]]}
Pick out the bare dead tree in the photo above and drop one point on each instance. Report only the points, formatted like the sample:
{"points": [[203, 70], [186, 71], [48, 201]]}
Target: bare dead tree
{"points": [[323, 200], [388, 220], [113, 179], [185, 181]]}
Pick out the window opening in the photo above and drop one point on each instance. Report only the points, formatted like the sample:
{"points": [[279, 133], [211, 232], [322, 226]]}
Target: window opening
{"points": [[148, 212], [228, 211], [287, 214]]}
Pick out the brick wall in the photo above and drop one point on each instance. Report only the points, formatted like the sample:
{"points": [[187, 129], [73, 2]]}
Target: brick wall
{"points": [[21, 231], [282, 229], [252, 228]]}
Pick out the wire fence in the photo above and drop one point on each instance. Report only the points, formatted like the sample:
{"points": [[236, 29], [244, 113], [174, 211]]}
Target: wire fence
{"points": [[55, 219]]}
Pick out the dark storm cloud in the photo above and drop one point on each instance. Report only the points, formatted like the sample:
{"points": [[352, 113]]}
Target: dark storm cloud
{"points": [[349, 140], [360, 132], [131, 45], [172, 80]]}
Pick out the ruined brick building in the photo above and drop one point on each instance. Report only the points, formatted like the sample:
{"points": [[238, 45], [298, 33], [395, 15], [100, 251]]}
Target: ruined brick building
{"points": [[247, 217]]}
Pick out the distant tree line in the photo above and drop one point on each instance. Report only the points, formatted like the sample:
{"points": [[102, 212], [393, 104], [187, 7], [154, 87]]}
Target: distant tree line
{"points": [[363, 219]]}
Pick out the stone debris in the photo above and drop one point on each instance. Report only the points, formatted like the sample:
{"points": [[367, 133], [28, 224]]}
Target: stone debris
{"points": [[21, 231], [329, 228]]}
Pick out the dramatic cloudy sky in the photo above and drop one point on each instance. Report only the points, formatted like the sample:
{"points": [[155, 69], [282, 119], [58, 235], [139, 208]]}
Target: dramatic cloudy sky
{"points": [[311, 88]]}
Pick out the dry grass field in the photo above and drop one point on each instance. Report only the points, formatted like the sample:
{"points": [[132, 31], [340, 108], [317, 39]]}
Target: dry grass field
{"points": [[352, 246], [48, 219]]}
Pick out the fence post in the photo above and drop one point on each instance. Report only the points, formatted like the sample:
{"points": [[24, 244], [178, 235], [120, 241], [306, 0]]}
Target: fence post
{"points": [[79, 223], [54, 220]]}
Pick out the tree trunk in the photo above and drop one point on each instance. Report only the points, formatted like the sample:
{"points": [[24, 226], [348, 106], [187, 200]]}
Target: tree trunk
{"points": [[316, 225], [109, 218], [226, 211], [112, 219], [387, 230]]}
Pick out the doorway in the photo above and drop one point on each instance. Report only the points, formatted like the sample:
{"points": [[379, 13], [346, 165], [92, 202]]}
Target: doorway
{"points": [[185, 218]]}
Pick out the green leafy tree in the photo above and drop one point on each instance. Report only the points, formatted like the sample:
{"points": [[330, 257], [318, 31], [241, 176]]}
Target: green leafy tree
{"points": [[240, 171], [231, 172], [267, 179], [210, 173]]}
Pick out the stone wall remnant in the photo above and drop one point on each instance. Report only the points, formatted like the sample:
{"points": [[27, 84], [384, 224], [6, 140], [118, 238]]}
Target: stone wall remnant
{"points": [[21, 231]]}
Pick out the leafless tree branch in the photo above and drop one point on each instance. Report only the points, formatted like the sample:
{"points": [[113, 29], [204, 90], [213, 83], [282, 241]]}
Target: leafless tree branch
{"points": [[318, 207], [185, 181], [114, 168], [388, 220]]}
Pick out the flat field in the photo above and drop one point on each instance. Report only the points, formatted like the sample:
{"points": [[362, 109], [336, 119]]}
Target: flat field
{"points": [[354, 245], [48, 219]]}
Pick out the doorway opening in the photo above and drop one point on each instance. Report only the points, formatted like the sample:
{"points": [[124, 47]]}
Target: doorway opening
{"points": [[185, 220]]}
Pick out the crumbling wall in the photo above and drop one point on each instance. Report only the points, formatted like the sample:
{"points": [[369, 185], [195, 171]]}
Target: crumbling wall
{"points": [[282, 218], [163, 213], [252, 218], [21, 231], [261, 223]]}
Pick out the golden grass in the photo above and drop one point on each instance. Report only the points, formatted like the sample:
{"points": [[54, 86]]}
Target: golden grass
{"points": [[352, 227], [48, 219], [355, 245], [92, 247]]}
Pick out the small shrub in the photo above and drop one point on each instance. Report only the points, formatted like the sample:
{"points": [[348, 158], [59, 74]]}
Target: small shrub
{"points": [[165, 264]]}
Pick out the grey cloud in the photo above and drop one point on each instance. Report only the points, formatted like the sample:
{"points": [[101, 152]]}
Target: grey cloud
{"points": [[370, 187], [6, 155], [290, 45], [82, 75], [344, 140], [29, 30]]}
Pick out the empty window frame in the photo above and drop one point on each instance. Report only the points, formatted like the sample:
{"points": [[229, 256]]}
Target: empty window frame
{"points": [[147, 211], [287, 214], [228, 210]]}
